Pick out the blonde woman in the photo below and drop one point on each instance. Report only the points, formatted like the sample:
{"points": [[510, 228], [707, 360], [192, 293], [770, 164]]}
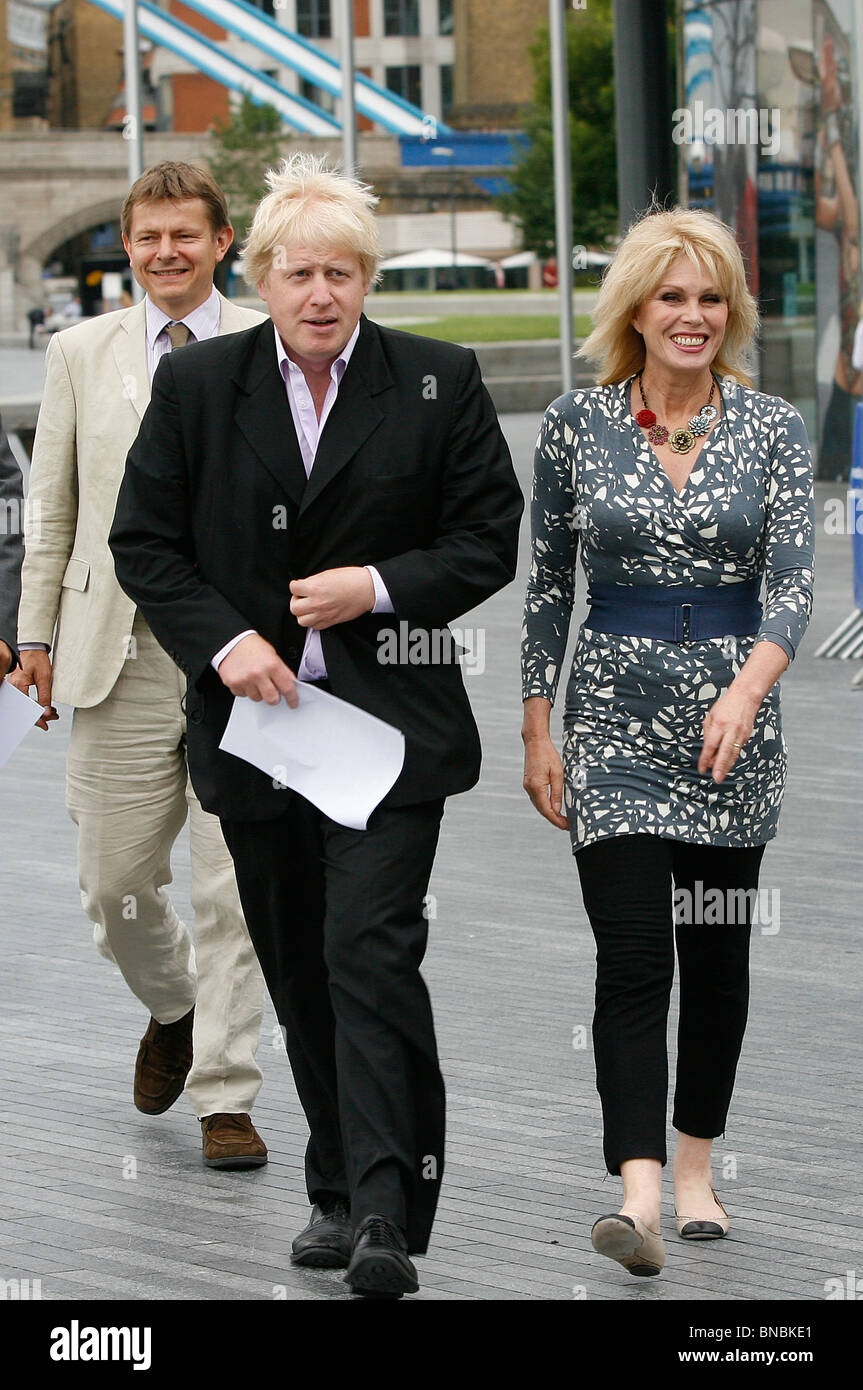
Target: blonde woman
{"points": [[683, 488]]}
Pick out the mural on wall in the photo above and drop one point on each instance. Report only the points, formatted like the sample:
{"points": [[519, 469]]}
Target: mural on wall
{"points": [[837, 218]]}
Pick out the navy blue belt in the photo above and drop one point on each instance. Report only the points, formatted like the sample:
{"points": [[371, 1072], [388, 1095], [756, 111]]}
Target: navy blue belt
{"points": [[675, 614]]}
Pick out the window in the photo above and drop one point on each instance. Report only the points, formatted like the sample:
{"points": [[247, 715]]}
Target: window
{"points": [[406, 82], [319, 95], [445, 89], [266, 6], [445, 19], [313, 19], [401, 17], [30, 94]]}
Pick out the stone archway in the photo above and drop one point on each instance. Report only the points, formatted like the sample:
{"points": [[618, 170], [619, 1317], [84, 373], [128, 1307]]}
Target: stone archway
{"points": [[41, 247]]}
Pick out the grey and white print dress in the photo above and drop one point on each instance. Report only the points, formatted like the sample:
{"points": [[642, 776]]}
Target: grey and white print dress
{"points": [[635, 705]]}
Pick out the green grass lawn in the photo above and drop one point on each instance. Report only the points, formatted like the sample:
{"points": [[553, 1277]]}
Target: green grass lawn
{"points": [[494, 328]]}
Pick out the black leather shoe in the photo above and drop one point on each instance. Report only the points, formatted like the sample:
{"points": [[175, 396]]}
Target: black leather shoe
{"points": [[327, 1241], [379, 1266]]}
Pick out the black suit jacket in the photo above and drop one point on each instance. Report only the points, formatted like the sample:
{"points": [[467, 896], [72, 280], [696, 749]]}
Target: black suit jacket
{"points": [[215, 517], [11, 544]]}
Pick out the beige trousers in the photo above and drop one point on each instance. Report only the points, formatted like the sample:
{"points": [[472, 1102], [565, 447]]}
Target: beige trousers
{"points": [[128, 791]]}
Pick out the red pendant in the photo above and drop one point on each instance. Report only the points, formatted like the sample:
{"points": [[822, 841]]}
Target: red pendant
{"points": [[645, 418]]}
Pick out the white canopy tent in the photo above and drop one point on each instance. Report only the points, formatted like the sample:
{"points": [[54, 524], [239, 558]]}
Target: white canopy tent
{"points": [[432, 259], [434, 264]]}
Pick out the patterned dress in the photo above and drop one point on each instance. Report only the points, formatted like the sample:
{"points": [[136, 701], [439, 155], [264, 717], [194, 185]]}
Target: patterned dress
{"points": [[635, 705]]}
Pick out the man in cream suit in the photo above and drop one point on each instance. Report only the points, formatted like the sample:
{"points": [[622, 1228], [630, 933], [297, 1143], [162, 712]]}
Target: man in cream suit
{"points": [[127, 780]]}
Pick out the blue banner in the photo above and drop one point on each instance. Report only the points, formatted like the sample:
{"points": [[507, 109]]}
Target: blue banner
{"points": [[855, 505]]}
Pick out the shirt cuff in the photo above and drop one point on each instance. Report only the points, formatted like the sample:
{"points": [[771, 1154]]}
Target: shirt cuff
{"points": [[33, 647], [229, 647], [383, 602]]}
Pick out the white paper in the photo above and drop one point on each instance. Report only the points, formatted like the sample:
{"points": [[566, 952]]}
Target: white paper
{"points": [[338, 757], [18, 714]]}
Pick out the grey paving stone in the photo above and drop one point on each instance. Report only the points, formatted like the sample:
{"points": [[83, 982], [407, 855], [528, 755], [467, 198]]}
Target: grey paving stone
{"points": [[510, 968]]}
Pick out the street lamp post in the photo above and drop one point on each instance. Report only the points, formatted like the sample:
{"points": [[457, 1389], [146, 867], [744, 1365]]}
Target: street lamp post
{"points": [[132, 132], [444, 152], [132, 80], [348, 108], [562, 186]]}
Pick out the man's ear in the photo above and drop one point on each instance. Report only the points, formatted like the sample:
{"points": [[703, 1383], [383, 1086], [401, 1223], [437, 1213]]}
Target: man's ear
{"points": [[224, 237]]}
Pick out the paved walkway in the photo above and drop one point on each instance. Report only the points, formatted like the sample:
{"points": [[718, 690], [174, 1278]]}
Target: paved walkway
{"points": [[99, 1202]]}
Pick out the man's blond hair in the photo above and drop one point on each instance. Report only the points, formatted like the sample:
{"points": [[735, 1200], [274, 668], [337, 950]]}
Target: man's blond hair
{"points": [[311, 204]]}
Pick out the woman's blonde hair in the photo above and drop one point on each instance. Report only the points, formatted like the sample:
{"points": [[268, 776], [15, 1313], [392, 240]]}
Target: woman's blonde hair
{"points": [[641, 264], [309, 203]]}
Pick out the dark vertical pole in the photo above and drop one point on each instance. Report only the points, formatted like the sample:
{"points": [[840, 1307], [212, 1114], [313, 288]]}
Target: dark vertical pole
{"points": [[642, 106]]}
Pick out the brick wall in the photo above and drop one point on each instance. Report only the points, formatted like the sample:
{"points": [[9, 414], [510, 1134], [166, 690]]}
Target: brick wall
{"points": [[493, 77], [86, 65], [98, 62], [198, 101]]}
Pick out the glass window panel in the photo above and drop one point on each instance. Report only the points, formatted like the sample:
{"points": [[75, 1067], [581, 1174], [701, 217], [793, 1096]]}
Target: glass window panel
{"points": [[402, 17], [314, 20], [406, 82]]}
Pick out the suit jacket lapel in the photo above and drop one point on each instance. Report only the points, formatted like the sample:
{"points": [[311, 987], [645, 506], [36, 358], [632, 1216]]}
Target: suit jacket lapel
{"points": [[356, 413], [231, 319], [130, 350], [130, 354], [264, 415]]}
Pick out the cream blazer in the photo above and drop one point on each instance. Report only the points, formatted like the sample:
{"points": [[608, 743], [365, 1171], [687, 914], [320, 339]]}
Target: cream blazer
{"points": [[96, 392]]}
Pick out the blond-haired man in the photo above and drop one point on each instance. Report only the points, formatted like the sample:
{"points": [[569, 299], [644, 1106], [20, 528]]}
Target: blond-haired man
{"points": [[295, 494]]}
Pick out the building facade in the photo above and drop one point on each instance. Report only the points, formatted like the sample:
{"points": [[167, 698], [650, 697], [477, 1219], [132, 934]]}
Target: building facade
{"points": [[23, 65]]}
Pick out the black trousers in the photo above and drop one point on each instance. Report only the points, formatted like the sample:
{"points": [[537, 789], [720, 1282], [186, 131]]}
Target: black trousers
{"points": [[337, 921], [626, 883]]}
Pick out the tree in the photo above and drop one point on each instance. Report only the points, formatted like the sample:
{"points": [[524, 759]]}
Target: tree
{"points": [[530, 199], [245, 147]]}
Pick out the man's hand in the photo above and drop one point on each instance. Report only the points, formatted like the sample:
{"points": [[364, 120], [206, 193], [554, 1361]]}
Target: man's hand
{"points": [[333, 596], [35, 669], [5, 658], [255, 669]]}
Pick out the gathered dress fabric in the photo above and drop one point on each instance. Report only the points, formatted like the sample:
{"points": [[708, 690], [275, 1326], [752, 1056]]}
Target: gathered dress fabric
{"points": [[642, 819]]}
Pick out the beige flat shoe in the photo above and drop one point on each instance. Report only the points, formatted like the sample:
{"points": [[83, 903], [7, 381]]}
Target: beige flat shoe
{"points": [[690, 1229], [627, 1240]]}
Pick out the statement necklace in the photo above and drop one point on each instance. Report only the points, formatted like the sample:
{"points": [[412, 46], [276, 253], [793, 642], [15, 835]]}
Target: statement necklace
{"points": [[679, 441]]}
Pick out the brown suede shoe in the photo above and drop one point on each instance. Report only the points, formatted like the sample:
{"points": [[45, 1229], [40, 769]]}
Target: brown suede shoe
{"points": [[231, 1141], [164, 1061]]}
